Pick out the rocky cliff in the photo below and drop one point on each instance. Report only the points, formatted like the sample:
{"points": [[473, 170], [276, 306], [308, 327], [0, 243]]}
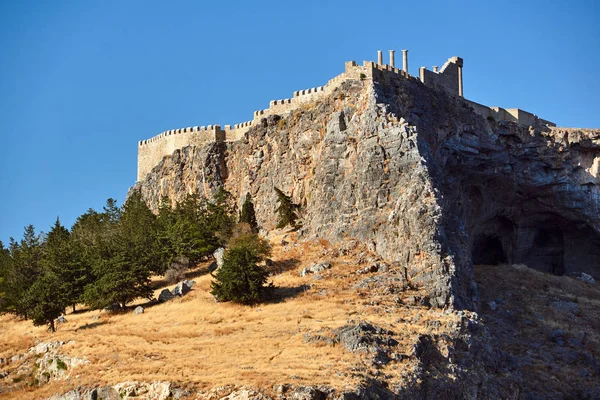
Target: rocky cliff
{"points": [[418, 176]]}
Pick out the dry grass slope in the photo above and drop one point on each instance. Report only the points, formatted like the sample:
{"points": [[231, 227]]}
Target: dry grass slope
{"points": [[199, 343]]}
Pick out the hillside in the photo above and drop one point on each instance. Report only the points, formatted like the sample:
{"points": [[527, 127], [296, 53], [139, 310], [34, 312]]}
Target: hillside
{"points": [[448, 241], [201, 349]]}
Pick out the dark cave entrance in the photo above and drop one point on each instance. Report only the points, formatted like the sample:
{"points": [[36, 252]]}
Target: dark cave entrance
{"points": [[547, 252], [488, 250]]}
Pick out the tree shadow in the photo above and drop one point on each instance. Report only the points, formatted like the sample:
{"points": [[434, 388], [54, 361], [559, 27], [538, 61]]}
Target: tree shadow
{"points": [[281, 294], [190, 274], [81, 310], [92, 325], [197, 272], [281, 266]]}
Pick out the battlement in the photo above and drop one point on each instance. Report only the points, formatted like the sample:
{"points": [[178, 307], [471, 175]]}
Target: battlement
{"points": [[448, 78], [515, 115]]}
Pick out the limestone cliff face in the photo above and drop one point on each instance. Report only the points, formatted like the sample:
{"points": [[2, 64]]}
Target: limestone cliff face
{"points": [[418, 176]]}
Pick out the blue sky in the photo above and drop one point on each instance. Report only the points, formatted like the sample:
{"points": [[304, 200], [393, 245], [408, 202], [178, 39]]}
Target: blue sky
{"points": [[82, 82]]}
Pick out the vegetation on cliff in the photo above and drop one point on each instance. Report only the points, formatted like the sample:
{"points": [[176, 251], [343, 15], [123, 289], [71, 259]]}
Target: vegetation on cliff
{"points": [[108, 258]]}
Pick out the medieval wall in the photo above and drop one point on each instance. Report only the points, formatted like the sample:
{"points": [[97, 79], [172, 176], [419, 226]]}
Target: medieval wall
{"points": [[446, 78]]}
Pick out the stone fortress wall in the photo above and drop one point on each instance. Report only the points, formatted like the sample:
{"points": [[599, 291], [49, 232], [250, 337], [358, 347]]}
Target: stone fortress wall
{"points": [[448, 78]]}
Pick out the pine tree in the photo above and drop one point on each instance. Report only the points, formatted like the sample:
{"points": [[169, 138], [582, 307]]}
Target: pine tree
{"points": [[4, 271], [63, 259], [127, 258], [241, 279], [220, 216], [22, 270], [287, 212], [44, 300], [248, 215], [183, 232]]}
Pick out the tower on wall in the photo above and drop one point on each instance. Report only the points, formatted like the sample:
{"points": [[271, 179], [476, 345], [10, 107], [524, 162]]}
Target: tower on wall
{"points": [[448, 78]]}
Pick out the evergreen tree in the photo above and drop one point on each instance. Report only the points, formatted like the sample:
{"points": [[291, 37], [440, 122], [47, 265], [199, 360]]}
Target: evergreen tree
{"points": [[4, 271], [183, 232], [64, 260], [219, 217], [44, 300], [241, 279], [287, 212], [22, 270], [247, 215], [127, 258]]}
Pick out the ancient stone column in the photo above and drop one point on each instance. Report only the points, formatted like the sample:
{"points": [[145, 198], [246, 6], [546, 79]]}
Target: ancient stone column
{"points": [[460, 83], [405, 61], [392, 61], [379, 57]]}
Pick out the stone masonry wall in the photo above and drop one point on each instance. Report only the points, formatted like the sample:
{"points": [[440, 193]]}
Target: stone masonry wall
{"points": [[152, 151], [446, 79]]}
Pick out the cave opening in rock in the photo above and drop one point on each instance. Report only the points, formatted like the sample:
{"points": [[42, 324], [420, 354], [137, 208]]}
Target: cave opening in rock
{"points": [[488, 250], [547, 251]]}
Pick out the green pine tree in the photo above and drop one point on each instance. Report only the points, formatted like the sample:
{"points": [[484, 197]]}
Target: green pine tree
{"points": [[22, 270], [44, 300], [128, 256], [287, 212], [220, 216], [62, 257], [248, 215], [241, 279]]}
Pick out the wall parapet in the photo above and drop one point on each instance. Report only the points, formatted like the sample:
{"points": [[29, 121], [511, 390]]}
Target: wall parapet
{"points": [[448, 78], [515, 115]]}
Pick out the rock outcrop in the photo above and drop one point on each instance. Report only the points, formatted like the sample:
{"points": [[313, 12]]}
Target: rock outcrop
{"points": [[417, 175]]}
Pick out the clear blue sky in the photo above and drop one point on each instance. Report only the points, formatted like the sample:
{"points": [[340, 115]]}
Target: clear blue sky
{"points": [[81, 82]]}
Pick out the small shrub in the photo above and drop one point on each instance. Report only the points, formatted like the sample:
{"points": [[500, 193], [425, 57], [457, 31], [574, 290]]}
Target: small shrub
{"points": [[362, 76], [287, 212], [241, 279], [281, 123], [60, 364]]}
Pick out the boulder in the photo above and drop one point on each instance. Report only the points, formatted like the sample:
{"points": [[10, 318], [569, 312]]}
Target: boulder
{"points": [[582, 276], [181, 289], [218, 255], [189, 283], [165, 295], [138, 310], [213, 267], [315, 268], [113, 307]]}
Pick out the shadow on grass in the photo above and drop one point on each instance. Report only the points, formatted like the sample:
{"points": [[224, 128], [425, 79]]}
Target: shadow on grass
{"points": [[281, 266], [281, 294], [92, 325], [190, 274]]}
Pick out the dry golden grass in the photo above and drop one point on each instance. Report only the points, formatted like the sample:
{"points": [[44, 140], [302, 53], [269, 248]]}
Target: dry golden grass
{"points": [[196, 341]]}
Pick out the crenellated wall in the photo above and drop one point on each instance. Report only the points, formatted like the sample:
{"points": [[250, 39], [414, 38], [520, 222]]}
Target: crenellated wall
{"points": [[151, 151], [448, 78], [515, 115]]}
